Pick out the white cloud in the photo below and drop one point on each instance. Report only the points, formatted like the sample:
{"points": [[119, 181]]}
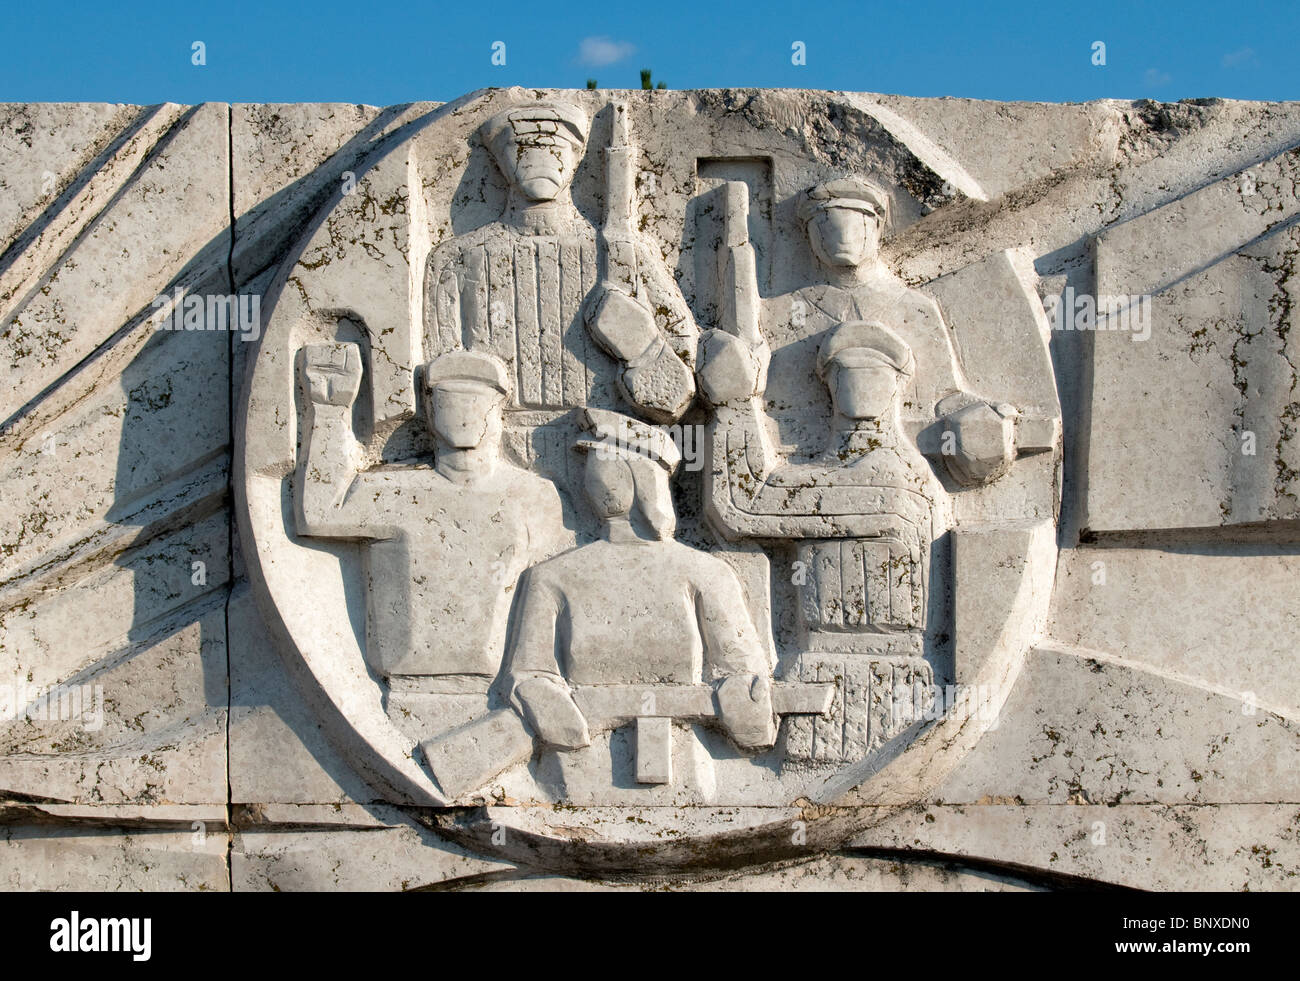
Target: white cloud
{"points": [[1155, 77], [597, 51], [1242, 57]]}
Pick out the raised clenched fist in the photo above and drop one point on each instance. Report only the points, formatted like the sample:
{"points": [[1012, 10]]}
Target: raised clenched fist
{"points": [[333, 373]]}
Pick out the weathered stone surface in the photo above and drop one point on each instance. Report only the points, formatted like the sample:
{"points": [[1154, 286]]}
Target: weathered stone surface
{"points": [[287, 848], [116, 547], [1130, 604], [1208, 383], [1083, 730], [108, 859], [1219, 847], [669, 490]]}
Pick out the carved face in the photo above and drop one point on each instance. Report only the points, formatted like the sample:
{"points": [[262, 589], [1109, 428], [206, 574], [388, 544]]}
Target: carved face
{"points": [[463, 414], [863, 388], [609, 485], [844, 237], [537, 158]]}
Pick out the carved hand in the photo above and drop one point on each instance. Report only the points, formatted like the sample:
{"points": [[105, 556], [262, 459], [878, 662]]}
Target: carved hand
{"points": [[621, 324], [745, 710], [980, 441], [731, 369], [549, 708], [654, 378], [333, 373]]}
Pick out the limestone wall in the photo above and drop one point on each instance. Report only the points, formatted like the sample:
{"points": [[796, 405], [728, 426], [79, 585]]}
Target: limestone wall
{"points": [[1143, 728]]}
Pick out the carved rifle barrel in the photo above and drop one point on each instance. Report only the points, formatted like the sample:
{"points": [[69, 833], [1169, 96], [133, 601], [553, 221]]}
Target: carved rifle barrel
{"points": [[617, 233]]}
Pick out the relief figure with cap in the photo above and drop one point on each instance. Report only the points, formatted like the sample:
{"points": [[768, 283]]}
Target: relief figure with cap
{"points": [[633, 656], [845, 220], [639, 618], [578, 320], [443, 544], [863, 515], [864, 509]]}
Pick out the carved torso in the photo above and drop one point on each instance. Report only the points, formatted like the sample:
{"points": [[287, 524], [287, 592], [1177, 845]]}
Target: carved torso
{"points": [[590, 614], [520, 296], [448, 556], [814, 309]]}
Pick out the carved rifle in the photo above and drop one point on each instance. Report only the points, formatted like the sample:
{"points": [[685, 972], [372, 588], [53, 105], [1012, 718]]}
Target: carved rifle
{"points": [[467, 758]]}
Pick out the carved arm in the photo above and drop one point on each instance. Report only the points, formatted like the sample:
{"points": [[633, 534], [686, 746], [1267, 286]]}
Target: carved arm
{"points": [[327, 468], [621, 311]]}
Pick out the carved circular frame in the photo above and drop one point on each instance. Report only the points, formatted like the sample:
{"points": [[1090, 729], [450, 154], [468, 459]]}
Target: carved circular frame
{"points": [[310, 607]]}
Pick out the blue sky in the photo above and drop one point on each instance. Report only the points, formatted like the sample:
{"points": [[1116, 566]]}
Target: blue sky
{"points": [[383, 52]]}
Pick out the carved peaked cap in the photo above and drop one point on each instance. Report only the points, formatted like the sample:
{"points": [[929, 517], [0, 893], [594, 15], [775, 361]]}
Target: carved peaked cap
{"points": [[571, 121], [467, 366], [845, 192], [872, 339], [614, 433]]}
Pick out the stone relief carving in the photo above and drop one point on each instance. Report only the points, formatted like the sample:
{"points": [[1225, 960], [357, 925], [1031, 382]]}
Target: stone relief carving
{"points": [[523, 287], [165, 668], [866, 509], [444, 543], [526, 593]]}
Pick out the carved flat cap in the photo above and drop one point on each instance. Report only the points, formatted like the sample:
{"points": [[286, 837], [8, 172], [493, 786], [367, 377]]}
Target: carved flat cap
{"points": [[845, 192], [467, 366], [567, 119], [858, 341], [612, 432]]}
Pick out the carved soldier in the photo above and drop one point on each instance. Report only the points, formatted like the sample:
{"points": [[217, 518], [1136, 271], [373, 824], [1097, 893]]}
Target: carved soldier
{"points": [[870, 486], [575, 328], [446, 543], [845, 220], [863, 516], [634, 633], [635, 608]]}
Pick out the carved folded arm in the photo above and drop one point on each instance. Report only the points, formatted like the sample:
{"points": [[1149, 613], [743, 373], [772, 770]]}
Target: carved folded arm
{"points": [[740, 460], [744, 497], [750, 494]]}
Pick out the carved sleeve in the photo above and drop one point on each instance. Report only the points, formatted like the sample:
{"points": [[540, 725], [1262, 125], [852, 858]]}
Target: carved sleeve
{"points": [[327, 476], [741, 459], [672, 316], [442, 302], [532, 650], [731, 644], [543, 517]]}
